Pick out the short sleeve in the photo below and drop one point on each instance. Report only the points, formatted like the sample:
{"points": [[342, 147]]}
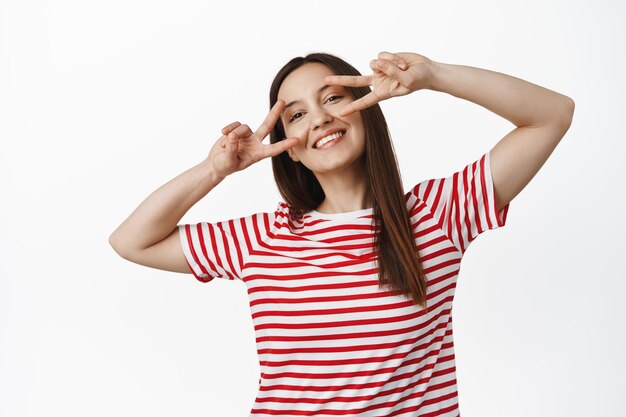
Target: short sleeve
{"points": [[464, 203], [216, 250]]}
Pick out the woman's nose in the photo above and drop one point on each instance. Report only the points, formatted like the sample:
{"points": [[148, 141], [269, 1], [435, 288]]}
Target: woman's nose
{"points": [[320, 117]]}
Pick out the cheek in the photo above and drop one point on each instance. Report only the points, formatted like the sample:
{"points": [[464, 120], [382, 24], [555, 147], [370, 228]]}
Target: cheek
{"points": [[355, 121], [296, 133], [300, 145]]}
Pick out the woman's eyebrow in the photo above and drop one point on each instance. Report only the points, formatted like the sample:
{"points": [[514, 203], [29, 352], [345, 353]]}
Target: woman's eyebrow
{"points": [[322, 88]]}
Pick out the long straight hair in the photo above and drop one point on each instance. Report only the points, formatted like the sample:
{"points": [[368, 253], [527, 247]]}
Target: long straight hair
{"points": [[399, 266]]}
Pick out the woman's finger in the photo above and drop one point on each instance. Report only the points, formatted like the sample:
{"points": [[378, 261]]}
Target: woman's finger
{"points": [[349, 80], [224, 140], [270, 120], [364, 102], [389, 68], [226, 129], [279, 147], [397, 59], [232, 143], [241, 131], [396, 75]]}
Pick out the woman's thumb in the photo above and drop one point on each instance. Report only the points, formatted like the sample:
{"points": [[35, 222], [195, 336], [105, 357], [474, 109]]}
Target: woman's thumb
{"points": [[233, 143]]}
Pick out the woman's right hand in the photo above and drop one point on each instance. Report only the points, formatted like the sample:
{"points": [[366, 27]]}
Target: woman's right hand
{"points": [[239, 147]]}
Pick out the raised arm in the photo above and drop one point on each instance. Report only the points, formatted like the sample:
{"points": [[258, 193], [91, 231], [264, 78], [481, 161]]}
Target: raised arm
{"points": [[149, 236], [542, 116]]}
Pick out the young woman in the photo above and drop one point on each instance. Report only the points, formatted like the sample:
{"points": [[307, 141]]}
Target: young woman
{"points": [[351, 280]]}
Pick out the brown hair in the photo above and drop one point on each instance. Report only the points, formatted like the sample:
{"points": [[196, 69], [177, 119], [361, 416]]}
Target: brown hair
{"points": [[399, 266]]}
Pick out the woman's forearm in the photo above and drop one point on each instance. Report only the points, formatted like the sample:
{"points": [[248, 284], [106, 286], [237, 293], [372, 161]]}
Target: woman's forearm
{"points": [[158, 215], [519, 101]]}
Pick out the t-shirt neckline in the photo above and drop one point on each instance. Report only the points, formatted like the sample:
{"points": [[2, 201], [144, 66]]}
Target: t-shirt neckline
{"points": [[343, 215]]}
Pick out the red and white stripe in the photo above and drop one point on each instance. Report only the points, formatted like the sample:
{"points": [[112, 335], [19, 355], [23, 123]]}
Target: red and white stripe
{"points": [[330, 341]]}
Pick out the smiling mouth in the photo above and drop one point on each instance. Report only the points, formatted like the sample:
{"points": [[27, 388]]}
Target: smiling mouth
{"points": [[341, 134]]}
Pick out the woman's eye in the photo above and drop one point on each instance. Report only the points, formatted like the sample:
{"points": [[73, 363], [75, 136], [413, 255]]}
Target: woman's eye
{"points": [[292, 118], [333, 96]]}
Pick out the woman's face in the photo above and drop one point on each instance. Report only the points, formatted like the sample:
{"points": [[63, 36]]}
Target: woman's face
{"points": [[312, 112]]}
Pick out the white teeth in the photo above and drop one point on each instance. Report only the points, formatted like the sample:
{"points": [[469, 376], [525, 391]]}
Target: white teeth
{"points": [[328, 139]]}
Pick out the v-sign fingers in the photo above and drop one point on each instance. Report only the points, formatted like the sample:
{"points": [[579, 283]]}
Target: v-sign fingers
{"points": [[360, 104], [270, 120]]}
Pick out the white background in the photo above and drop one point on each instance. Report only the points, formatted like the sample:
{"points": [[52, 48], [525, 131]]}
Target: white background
{"points": [[103, 102]]}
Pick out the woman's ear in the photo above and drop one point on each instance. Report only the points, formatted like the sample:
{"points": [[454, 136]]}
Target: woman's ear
{"points": [[292, 155]]}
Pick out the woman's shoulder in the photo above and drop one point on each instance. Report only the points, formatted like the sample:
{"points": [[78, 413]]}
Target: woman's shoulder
{"points": [[286, 210]]}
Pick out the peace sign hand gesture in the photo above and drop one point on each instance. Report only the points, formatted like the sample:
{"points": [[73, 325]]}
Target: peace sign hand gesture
{"points": [[239, 147], [394, 75]]}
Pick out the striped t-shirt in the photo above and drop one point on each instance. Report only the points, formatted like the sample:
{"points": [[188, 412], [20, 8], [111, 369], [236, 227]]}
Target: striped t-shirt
{"points": [[329, 341]]}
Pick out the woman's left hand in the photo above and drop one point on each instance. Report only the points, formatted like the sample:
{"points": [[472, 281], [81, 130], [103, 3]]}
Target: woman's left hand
{"points": [[394, 75]]}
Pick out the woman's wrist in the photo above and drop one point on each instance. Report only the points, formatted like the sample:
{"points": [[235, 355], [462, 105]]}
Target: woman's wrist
{"points": [[209, 173], [436, 69]]}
